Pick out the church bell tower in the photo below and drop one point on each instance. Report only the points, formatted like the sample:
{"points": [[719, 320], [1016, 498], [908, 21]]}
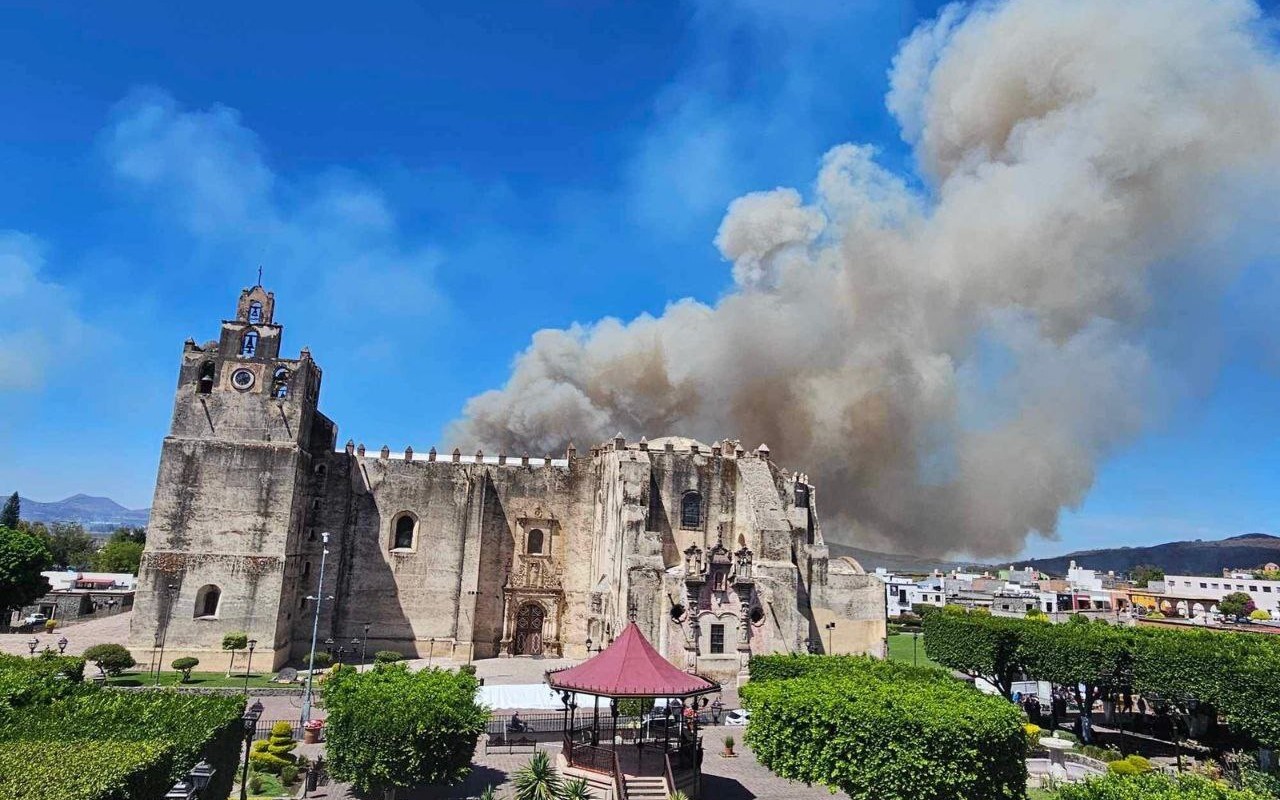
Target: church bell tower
{"points": [[230, 497]]}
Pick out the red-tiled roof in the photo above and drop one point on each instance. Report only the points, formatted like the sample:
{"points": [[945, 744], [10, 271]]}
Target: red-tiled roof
{"points": [[630, 667]]}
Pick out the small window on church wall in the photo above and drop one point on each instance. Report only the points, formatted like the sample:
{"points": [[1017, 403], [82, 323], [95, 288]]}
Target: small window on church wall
{"points": [[249, 344], [405, 528], [255, 312], [691, 510], [207, 601], [204, 384], [717, 638], [533, 545]]}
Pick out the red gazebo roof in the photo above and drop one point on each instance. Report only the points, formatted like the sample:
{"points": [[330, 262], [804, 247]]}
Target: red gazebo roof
{"points": [[630, 667]]}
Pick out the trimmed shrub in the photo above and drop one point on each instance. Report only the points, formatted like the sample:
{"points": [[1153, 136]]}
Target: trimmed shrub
{"points": [[387, 657], [111, 659], [826, 719], [322, 660], [1154, 786], [394, 728], [288, 774], [1133, 765], [185, 665]]}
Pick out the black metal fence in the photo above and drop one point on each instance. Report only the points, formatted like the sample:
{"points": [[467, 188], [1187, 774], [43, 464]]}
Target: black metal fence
{"points": [[265, 725]]}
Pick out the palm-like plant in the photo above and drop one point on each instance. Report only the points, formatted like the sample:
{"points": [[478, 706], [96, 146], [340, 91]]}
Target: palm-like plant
{"points": [[537, 780], [488, 794], [677, 795], [576, 789]]}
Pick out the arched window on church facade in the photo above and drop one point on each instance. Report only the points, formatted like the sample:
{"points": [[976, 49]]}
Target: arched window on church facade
{"points": [[280, 383], [255, 312], [207, 600], [404, 531], [249, 344], [691, 511], [534, 542]]}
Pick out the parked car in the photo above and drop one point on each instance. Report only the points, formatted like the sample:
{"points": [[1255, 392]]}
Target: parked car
{"points": [[738, 717], [35, 620]]}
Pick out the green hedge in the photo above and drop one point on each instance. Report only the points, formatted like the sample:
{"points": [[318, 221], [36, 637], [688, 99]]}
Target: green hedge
{"points": [[393, 728], [38, 769], [172, 732], [880, 730], [43, 679], [1154, 786]]}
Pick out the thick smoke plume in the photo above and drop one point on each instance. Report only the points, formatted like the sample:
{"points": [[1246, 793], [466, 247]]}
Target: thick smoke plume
{"points": [[950, 363]]}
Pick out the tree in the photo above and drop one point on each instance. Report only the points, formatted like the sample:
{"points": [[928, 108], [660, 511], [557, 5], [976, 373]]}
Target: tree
{"points": [[1144, 574], [118, 555], [979, 645], [185, 665], [70, 546], [390, 728], [111, 659], [9, 517], [1094, 655], [22, 558], [233, 642], [537, 780], [1236, 605], [127, 534]]}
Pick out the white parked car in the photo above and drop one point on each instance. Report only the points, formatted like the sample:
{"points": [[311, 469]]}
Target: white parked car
{"points": [[35, 619], [737, 717]]}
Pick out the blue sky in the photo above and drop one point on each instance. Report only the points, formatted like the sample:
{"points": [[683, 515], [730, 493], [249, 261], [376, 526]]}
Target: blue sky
{"points": [[424, 189]]}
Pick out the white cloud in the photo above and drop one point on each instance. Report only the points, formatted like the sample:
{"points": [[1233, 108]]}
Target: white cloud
{"points": [[39, 322], [333, 233]]}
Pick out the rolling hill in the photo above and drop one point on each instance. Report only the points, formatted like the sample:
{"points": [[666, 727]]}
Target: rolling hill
{"points": [[94, 513]]}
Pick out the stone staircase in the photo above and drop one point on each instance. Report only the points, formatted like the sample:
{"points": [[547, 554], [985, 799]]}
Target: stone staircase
{"points": [[640, 788]]}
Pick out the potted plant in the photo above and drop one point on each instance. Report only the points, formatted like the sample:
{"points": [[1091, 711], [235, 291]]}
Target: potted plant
{"points": [[728, 748], [50, 625], [311, 731]]}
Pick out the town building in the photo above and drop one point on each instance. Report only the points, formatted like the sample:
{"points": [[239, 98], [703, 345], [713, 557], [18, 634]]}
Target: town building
{"points": [[717, 550], [1197, 596], [74, 595]]}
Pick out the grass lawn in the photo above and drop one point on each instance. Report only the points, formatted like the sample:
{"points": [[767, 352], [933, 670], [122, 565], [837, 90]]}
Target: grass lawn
{"points": [[900, 650], [1040, 794], [209, 679]]}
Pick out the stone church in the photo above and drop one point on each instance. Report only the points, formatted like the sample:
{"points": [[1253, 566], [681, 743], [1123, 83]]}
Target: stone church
{"points": [[718, 550]]}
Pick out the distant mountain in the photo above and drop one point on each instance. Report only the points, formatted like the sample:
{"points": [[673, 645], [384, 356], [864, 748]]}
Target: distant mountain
{"points": [[895, 562], [95, 513], [1197, 557], [1176, 558]]}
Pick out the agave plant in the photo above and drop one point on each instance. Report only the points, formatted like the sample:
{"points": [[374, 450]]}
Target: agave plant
{"points": [[576, 789], [488, 793], [677, 795], [537, 780]]}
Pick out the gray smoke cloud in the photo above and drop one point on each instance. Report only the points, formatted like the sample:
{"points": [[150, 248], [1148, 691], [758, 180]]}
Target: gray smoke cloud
{"points": [[951, 363]]}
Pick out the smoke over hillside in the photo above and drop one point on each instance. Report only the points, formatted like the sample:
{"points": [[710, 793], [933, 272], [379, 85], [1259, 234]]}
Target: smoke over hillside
{"points": [[950, 364]]}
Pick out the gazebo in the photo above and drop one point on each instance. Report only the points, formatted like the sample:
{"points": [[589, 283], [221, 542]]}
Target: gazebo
{"points": [[665, 747]]}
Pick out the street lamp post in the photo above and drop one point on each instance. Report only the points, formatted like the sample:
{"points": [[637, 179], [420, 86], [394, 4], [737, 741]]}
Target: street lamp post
{"points": [[315, 631], [830, 626], [915, 639], [364, 644], [33, 644], [172, 591], [62, 645], [252, 644], [250, 719]]}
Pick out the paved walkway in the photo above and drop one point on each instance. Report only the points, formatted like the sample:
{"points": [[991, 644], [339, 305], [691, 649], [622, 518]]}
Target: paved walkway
{"points": [[741, 778], [80, 635]]}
